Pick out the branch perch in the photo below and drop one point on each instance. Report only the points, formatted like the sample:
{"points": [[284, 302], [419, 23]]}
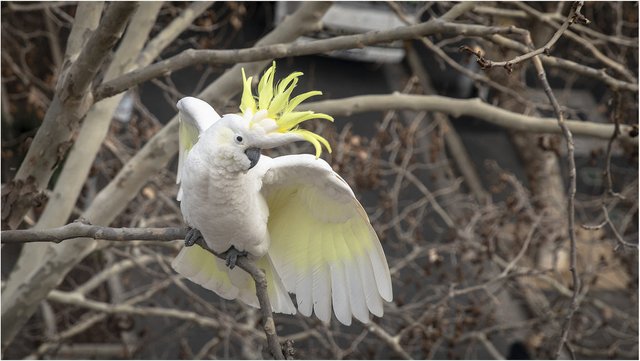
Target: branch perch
{"points": [[81, 229], [268, 324]]}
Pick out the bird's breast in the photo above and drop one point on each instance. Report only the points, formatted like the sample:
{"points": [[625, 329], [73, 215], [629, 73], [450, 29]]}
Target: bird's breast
{"points": [[227, 209]]}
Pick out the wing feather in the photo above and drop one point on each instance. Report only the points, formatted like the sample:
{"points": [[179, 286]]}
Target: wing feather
{"points": [[322, 243], [319, 287], [286, 247], [321, 293], [354, 279], [281, 302], [195, 116], [370, 288], [303, 287], [304, 281], [209, 271], [339, 294]]}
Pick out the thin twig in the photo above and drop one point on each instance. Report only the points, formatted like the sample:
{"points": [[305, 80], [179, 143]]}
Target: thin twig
{"points": [[599, 74], [570, 203], [572, 186], [542, 76], [546, 48], [607, 221], [392, 341], [587, 44], [616, 114]]}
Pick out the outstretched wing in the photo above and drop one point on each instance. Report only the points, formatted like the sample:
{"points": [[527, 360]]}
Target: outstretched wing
{"points": [[195, 117], [322, 243]]}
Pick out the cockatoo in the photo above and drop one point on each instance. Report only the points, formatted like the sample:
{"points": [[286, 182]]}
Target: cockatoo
{"points": [[293, 215]]}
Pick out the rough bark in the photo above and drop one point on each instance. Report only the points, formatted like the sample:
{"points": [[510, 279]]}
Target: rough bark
{"points": [[70, 103]]}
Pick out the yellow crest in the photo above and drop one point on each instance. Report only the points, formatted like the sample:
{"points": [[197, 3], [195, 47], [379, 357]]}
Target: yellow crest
{"points": [[275, 103]]}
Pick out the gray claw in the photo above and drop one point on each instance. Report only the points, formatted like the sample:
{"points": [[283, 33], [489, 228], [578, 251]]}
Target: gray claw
{"points": [[193, 235], [231, 257]]}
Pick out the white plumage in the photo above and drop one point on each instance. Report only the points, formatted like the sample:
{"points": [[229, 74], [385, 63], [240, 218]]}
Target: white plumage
{"points": [[293, 214]]}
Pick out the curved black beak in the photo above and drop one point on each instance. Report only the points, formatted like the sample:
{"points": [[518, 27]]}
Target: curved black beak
{"points": [[254, 155]]}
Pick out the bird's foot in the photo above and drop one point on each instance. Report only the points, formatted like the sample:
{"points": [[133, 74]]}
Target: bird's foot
{"points": [[192, 237], [231, 256]]}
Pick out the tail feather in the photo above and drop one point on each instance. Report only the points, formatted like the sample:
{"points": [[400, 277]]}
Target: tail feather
{"points": [[210, 272]]}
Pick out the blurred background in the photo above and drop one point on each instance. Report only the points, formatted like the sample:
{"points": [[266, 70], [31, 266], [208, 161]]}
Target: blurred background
{"points": [[472, 215]]}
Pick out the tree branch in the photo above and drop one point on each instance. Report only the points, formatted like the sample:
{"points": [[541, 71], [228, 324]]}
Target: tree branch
{"points": [[69, 105], [466, 107], [96, 124], [80, 229], [571, 211], [84, 69], [86, 21], [568, 136], [171, 32], [600, 74], [546, 48], [192, 57], [587, 44]]}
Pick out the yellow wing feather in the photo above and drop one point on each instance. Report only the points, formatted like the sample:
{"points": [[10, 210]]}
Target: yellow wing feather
{"points": [[322, 243], [210, 272]]}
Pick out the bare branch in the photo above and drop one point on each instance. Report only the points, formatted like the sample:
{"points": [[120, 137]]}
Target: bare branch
{"points": [[466, 107], [82, 71], [84, 230], [391, 341], [192, 57], [616, 233], [96, 124], [569, 65], [86, 21], [171, 32], [616, 114], [572, 181], [546, 48], [621, 69], [38, 6]]}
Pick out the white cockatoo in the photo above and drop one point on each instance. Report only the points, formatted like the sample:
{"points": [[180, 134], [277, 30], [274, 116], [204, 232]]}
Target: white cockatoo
{"points": [[293, 215]]}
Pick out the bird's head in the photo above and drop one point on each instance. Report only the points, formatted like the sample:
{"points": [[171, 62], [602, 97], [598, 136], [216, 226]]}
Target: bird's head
{"points": [[266, 121]]}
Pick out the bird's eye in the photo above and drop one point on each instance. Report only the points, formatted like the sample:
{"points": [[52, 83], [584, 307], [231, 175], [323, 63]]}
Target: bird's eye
{"points": [[239, 138]]}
